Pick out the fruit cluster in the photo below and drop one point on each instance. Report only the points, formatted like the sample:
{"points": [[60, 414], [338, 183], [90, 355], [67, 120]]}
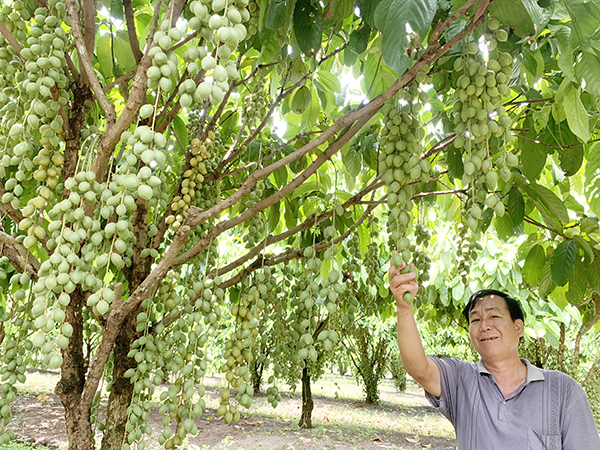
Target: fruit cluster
{"points": [[400, 162]]}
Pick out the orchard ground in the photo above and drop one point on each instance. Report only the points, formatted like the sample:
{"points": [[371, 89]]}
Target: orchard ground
{"points": [[341, 419]]}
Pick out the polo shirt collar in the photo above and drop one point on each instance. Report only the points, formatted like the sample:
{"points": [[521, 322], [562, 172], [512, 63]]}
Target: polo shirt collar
{"points": [[533, 373]]}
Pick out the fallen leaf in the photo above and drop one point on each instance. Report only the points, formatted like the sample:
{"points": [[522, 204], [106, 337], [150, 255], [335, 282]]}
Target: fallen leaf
{"points": [[249, 422], [229, 437], [44, 398], [377, 439], [211, 417], [426, 446], [414, 440]]}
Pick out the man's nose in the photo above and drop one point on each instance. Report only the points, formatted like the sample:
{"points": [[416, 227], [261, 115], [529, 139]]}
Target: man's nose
{"points": [[484, 324]]}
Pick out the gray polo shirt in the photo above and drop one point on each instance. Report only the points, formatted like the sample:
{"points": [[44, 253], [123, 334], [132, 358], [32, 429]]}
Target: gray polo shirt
{"points": [[549, 411]]}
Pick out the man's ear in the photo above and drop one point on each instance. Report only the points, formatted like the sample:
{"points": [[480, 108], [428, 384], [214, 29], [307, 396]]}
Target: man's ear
{"points": [[520, 327]]}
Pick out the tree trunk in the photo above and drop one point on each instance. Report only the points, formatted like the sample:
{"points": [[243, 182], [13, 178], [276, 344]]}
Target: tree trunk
{"points": [[561, 348], [307, 401], [122, 388], [256, 371], [70, 386], [371, 389]]}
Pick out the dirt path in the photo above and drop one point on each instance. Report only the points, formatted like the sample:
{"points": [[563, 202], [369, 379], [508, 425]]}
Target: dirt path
{"points": [[39, 419]]}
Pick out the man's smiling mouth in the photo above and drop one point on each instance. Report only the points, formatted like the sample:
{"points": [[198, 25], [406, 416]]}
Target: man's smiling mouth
{"points": [[488, 339]]}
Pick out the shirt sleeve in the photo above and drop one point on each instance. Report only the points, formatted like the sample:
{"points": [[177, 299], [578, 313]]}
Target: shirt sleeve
{"points": [[451, 371], [578, 427]]}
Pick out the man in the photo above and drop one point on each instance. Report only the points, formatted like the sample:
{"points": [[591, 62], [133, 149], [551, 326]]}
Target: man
{"points": [[502, 402]]}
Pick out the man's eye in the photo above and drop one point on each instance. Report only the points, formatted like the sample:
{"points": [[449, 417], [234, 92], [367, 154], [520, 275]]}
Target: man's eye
{"points": [[474, 320]]}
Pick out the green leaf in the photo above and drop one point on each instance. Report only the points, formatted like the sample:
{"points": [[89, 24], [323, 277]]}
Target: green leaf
{"points": [[336, 11], [359, 40], [181, 130], [571, 160], [116, 9], [290, 213], [535, 261], [592, 178], [377, 76], [504, 227], [587, 71], [276, 13], [581, 242], [306, 187], [563, 262], [391, 19], [104, 55], [273, 217], [524, 16], [301, 99], [456, 167], [533, 159], [585, 20], [123, 51], [281, 177], [578, 283], [577, 115], [308, 26], [352, 161], [559, 298], [546, 285], [550, 201], [367, 9], [516, 206], [329, 81], [311, 115], [593, 275]]}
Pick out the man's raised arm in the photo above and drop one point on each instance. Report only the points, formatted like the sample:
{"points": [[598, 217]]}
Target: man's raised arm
{"points": [[422, 369]]}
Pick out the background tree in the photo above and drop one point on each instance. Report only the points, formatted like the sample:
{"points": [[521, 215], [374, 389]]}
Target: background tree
{"points": [[137, 136]]}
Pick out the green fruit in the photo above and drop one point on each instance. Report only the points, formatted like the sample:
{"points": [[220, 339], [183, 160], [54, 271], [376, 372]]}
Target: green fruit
{"points": [[146, 111], [408, 298], [145, 192], [102, 307], [56, 361], [501, 35], [208, 62], [472, 48], [397, 260]]}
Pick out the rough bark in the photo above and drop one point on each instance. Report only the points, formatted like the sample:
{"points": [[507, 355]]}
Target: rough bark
{"points": [[122, 388], [307, 401], [70, 386]]}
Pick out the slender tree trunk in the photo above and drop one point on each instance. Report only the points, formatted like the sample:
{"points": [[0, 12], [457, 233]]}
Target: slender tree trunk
{"points": [[256, 372], [561, 348], [122, 389], [307, 401]]}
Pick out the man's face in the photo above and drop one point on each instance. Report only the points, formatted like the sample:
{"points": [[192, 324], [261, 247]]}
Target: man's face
{"points": [[493, 333]]}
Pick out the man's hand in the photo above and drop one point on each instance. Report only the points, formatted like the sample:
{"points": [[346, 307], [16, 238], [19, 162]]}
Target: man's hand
{"points": [[403, 284]]}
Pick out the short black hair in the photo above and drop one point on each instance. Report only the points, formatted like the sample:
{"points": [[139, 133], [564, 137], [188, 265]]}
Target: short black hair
{"points": [[514, 307]]}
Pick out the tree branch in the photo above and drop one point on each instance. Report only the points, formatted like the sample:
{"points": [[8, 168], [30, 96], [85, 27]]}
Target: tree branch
{"points": [[310, 221], [291, 254], [131, 32], [85, 56], [120, 310], [18, 255], [10, 38]]}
